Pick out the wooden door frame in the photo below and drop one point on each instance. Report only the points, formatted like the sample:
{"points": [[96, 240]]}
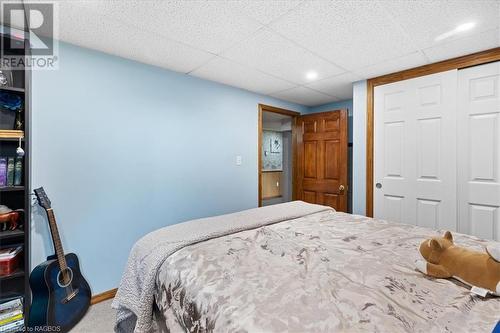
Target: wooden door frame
{"points": [[268, 108], [474, 59]]}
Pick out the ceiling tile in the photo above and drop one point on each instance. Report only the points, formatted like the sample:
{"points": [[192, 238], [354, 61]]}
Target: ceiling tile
{"points": [[339, 86], [304, 96], [412, 60], [263, 11], [81, 27], [463, 46], [273, 54], [351, 34], [368, 38], [208, 25], [424, 20], [231, 73]]}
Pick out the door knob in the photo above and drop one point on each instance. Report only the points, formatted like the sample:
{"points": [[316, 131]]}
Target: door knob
{"points": [[378, 185], [341, 188]]}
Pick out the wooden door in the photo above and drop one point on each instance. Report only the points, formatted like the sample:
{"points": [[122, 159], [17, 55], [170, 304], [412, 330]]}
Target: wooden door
{"points": [[321, 159], [479, 150], [415, 151]]}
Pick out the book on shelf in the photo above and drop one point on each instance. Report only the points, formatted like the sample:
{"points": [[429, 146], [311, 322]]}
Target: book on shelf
{"points": [[18, 171], [11, 316], [13, 313], [10, 171], [13, 304], [3, 171], [16, 326]]}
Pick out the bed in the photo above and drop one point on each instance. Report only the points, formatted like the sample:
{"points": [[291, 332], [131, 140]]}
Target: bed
{"points": [[293, 267]]}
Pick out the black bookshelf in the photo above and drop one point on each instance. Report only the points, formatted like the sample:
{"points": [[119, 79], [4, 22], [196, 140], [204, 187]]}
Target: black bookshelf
{"points": [[17, 197]]}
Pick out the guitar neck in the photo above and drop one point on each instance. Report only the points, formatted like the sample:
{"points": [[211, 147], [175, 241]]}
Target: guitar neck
{"points": [[56, 240]]}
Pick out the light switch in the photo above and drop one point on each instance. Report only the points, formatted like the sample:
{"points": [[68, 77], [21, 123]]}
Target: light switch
{"points": [[238, 160]]}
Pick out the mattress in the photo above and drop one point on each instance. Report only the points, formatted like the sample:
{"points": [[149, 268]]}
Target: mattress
{"points": [[325, 272]]}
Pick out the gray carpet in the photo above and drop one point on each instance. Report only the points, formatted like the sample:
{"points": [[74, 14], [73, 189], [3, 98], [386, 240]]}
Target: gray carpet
{"points": [[99, 319]]}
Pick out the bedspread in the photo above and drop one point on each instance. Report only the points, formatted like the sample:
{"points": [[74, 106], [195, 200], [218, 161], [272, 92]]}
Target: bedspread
{"points": [[325, 272], [135, 296]]}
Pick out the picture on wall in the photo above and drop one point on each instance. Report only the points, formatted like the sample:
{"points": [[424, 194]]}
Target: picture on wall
{"points": [[275, 142], [272, 149]]}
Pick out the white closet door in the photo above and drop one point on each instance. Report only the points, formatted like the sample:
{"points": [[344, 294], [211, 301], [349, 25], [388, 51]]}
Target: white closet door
{"points": [[479, 150], [415, 151]]}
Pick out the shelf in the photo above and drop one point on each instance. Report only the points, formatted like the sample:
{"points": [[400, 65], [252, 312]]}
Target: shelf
{"points": [[11, 234], [11, 135], [11, 139], [13, 89], [11, 188], [17, 273], [17, 196]]}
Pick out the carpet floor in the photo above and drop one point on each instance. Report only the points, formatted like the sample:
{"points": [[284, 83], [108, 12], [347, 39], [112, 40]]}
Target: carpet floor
{"points": [[99, 319]]}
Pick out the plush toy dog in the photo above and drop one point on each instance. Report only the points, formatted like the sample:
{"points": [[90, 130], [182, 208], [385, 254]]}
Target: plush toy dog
{"points": [[444, 260]]}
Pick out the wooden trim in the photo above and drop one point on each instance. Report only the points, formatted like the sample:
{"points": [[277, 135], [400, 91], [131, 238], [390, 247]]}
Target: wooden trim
{"points": [[294, 115], [269, 108], [369, 149], [295, 130], [455, 63], [259, 156], [474, 59], [103, 296]]}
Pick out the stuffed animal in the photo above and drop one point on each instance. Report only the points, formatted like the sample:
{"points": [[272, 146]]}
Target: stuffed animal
{"points": [[443, 259]]}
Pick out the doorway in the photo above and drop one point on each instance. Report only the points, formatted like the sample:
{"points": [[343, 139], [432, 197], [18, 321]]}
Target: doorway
{"points": [[303, 157], [276, 148]]}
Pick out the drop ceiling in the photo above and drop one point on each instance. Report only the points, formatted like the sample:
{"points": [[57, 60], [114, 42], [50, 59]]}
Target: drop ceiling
{"points": [[268, 46]]}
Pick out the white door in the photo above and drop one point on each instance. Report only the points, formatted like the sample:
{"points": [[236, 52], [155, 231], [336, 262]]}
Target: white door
{"points": [[415, 151], [479, 150]]}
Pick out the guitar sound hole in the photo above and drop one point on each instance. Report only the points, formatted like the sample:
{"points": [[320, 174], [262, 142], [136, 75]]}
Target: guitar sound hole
{"points": [[64, 280]]}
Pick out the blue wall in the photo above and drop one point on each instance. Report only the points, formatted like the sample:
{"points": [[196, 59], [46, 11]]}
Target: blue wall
{"points": [[359, 148], [124, 148], [347, 104]]}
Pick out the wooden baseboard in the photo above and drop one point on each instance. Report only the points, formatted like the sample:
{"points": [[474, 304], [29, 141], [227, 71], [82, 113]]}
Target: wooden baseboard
{"points": [[103, 296]]}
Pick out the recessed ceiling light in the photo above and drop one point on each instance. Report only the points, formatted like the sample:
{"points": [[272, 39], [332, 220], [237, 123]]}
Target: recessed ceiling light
{"points": [[460, 28], [465, 26], [311, 75]]}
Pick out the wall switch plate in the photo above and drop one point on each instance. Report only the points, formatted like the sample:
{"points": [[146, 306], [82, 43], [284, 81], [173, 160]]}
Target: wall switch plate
{"points": [[238, 160]]}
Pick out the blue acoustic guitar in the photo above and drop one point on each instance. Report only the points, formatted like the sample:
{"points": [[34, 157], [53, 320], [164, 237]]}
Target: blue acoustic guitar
{"points": [[61, 296]]}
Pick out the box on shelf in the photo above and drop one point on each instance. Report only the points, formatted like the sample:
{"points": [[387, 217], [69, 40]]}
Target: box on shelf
{"points": [[10, 258]]}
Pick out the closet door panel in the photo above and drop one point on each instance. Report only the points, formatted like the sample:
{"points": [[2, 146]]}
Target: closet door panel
{"points": [[415, 151], [435, 112], [393, 201], [479, 153]]}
